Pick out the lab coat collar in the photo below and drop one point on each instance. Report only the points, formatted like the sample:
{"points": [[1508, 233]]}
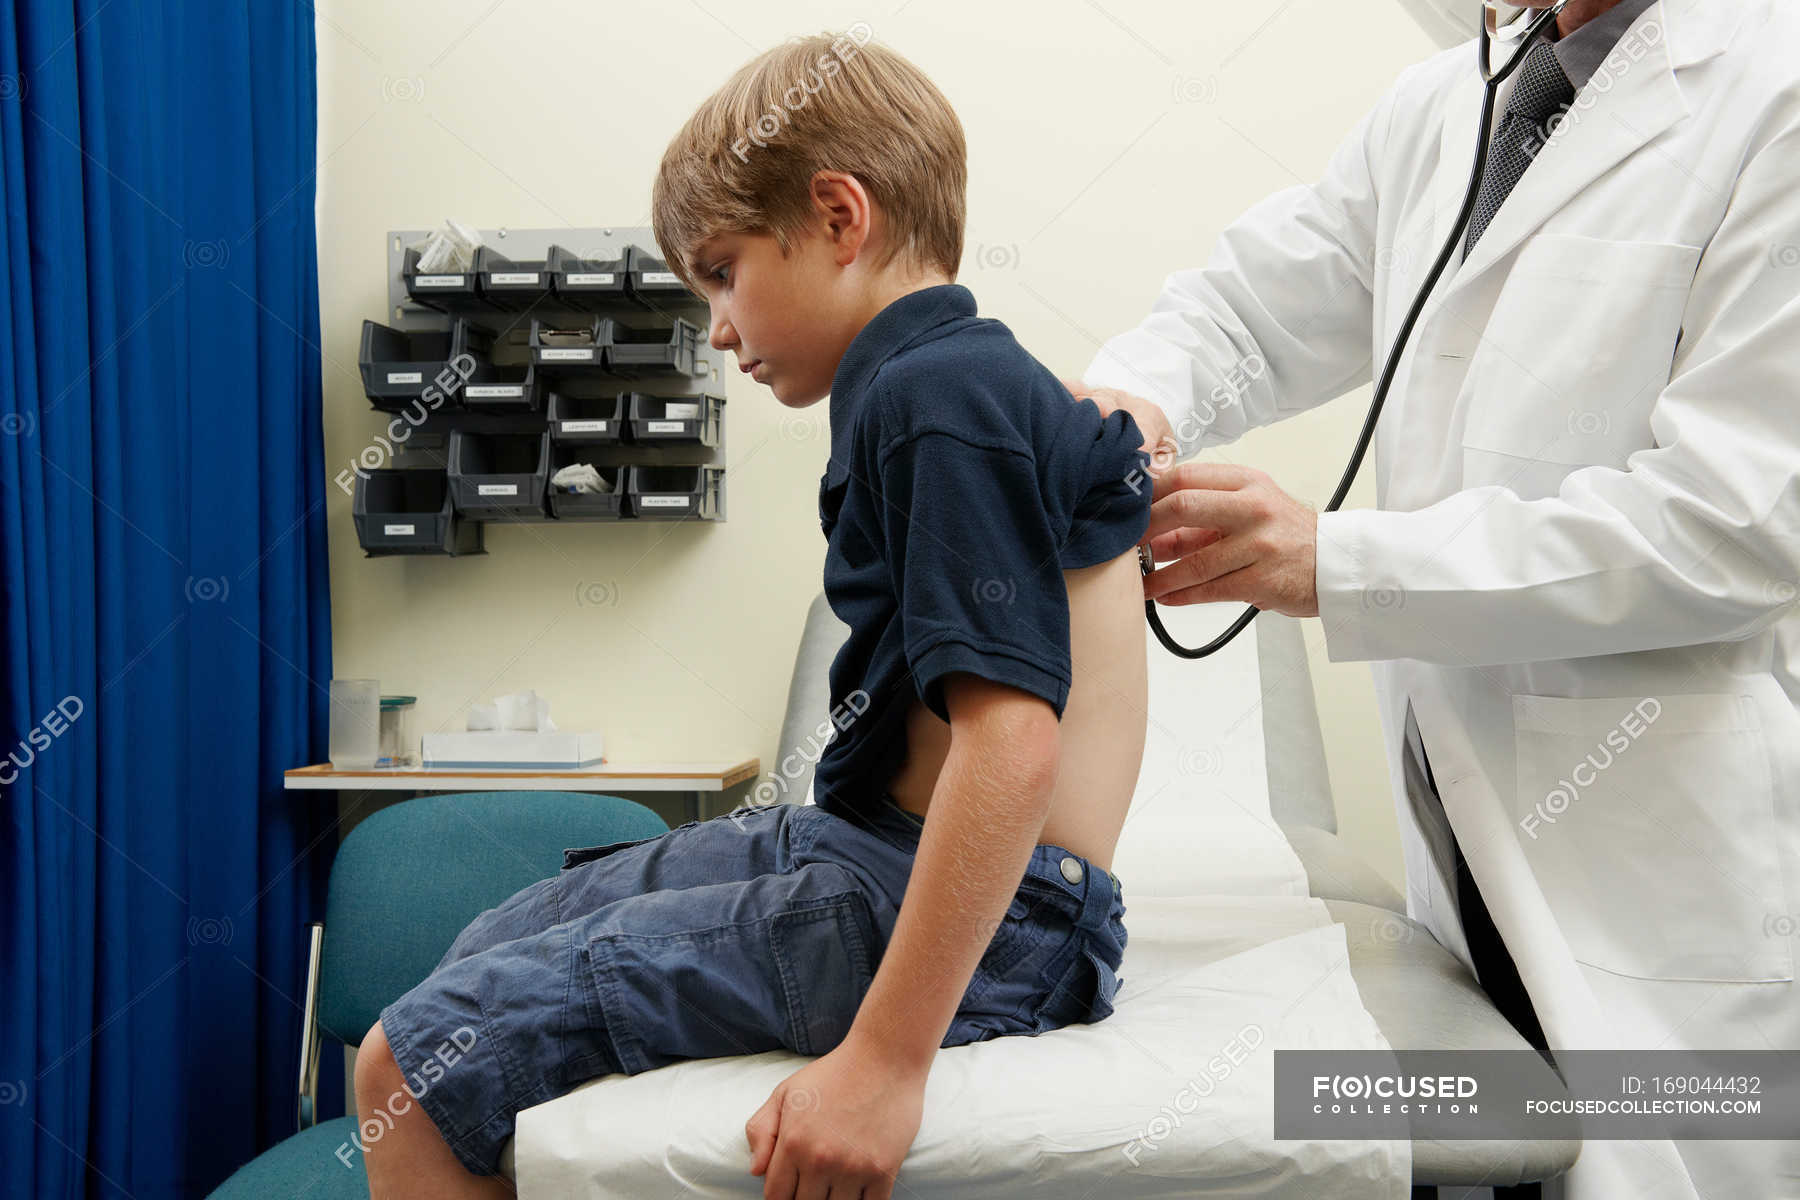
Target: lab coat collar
{"points": [[1620, 108], [888, 332]]}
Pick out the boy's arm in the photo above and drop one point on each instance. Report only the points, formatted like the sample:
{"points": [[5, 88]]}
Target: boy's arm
{"points": [[991, 800], [845, 1122], [973, 552]]}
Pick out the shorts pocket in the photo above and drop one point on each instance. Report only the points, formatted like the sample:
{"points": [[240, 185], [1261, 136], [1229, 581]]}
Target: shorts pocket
{"points": [[1649, 823], [826, 961], [1082, 995], [724, 969], [1012, 940], [586, 854], [1005, 975]]}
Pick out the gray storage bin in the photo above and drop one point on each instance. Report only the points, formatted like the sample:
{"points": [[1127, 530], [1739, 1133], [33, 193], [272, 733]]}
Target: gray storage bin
{"points": [[398, 365], [651, 282], [633, 350], [587, 506], [676, 420], [498, 475], [508, 285], [407, 510], [586, 284], [511, 387], [446, 291], [671, 493], [564, 349], [587, 419]]}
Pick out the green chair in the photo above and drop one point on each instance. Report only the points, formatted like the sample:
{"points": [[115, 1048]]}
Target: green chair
{"points": [[405, 882]]}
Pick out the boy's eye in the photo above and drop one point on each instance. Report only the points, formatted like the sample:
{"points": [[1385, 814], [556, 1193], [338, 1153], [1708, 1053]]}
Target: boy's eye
{"points": [[718, 273]]}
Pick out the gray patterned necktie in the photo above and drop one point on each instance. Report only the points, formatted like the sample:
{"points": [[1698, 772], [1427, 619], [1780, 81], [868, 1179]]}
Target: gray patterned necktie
{"points": [[1540, 92]]}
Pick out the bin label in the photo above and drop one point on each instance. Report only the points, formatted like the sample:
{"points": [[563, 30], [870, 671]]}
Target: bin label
{"points": [[660, 277], [589, 278], [406, 377], [493, 390], [559, 354], [584, 426], [437, 280], [664, 501], [496, 489], [397, 530], [688, 410], [662, 426], [528, 278]]}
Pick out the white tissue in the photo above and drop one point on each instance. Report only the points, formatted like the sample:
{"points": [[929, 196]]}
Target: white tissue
{"points": [[451, 248], [580, 477], [522, 710]]}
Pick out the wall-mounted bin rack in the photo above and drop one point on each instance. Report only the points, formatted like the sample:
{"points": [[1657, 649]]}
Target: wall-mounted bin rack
{"points": [[586, 284], [407, 510], [499, 475], [566, 505], [675, 420], [570, 345], [446, 291], [652, 283], [397, 365], [587, 419], [570, 348], [670, 493], [507, 284], [651, 350]]}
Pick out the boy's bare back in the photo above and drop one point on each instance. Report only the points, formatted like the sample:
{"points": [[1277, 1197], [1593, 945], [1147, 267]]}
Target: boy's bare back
{"points": [[1103, 726]]}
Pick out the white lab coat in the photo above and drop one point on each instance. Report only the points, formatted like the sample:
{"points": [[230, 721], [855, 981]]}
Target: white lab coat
{"points": [[1587, 498]]}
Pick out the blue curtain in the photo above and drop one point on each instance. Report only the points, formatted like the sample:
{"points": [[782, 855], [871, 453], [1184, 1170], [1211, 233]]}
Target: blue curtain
{"points": [[165, 638]]}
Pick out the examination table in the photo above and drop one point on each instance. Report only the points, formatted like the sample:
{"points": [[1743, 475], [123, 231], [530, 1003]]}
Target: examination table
{"points": [[1230, 853]]}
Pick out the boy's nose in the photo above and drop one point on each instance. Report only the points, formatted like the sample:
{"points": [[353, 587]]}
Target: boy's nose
{"points": [[719, 333]]}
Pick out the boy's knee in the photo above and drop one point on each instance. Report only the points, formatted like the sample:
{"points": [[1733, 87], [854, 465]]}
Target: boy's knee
{"points": [[384, 1103], [376, 1071]]}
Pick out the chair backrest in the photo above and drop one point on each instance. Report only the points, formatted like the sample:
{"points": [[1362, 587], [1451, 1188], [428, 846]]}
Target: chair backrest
{"points": [[808, 700], [410, 877]]}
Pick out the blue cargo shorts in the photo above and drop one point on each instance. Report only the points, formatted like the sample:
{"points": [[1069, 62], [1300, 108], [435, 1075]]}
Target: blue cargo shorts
{"points": [[757, 930]]}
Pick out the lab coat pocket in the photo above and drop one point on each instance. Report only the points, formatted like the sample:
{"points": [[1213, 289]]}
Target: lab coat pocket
{"points": [[1571, 360], [1649, 823]]}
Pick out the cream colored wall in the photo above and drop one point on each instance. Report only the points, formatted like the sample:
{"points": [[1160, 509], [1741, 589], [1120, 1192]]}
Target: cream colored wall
{"points": [[1109, 143]]}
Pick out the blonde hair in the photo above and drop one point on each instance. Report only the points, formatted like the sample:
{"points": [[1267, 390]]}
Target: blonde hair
{"points": [[744, 161]]}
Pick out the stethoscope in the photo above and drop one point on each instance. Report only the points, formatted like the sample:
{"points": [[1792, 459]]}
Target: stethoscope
{"points": [[1492, 79]]}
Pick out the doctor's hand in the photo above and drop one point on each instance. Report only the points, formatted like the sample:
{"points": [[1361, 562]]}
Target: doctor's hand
{"points": [[1152, 422], [1233, 535], [839, 1126]]}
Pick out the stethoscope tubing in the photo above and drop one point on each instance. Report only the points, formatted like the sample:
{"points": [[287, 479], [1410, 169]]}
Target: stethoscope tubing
{"points": [[1491, 81]]}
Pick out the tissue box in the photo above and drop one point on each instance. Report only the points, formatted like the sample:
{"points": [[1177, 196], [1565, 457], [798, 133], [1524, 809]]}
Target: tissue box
{"points": [[500, 749]]}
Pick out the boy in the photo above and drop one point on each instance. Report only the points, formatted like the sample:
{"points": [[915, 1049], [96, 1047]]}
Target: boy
{"points": [[981, 530]]}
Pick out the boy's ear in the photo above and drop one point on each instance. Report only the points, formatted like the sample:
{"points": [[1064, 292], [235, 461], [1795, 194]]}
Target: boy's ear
{"points": [[842, 206]]}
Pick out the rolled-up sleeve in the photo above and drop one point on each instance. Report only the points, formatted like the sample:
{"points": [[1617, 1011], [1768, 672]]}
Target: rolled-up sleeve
{"points": [[973, 554]]}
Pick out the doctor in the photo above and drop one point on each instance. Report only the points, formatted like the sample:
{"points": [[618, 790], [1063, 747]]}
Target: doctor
{"points": [[1577, 589]]}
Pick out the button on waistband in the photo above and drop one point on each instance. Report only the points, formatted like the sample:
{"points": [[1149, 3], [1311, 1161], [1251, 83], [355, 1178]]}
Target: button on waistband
{"points": [[1071, 870]]}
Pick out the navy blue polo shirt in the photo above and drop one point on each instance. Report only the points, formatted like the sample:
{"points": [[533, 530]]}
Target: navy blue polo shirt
{"points": [[963, 481]]}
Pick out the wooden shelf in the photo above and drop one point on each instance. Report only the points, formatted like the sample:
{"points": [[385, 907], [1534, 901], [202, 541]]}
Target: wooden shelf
{"points": [[713, 776]]}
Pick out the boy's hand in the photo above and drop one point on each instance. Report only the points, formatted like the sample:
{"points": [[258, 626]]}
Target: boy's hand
{"points": [[839, 1126], [1152, 422]]}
